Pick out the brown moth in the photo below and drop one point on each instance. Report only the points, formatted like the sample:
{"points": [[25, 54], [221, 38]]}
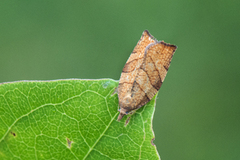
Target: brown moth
{"points": [[143, 73]]}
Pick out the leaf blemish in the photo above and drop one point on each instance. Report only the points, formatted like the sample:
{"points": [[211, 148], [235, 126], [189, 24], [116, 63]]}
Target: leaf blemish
{"points": [[69, 143], [105, 85], [14, 134], [152, 141]]}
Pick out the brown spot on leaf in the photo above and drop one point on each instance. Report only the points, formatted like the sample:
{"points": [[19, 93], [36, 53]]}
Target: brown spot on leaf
{"points": [[69, 143], [14, 134], [152, 141]]}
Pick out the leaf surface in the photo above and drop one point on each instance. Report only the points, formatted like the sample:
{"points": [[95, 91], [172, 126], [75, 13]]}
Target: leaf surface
{"points": [[71, 119]]}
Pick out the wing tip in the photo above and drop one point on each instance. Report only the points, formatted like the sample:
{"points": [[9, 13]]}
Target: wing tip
{"points": [[147, 33], [169, 45]]}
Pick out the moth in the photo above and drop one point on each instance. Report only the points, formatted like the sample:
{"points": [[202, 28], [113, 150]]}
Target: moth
{"points": [[143, 73]]}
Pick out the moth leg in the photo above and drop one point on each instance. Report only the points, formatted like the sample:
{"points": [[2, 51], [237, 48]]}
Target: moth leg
{"points": [[127, 121], [115, 91], [129, 114], [132, 112]]}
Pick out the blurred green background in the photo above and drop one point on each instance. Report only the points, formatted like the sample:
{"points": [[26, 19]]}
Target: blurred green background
{"points": [[198, 108]]}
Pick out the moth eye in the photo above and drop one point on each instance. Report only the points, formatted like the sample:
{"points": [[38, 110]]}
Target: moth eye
{"points": [[127, 112]]}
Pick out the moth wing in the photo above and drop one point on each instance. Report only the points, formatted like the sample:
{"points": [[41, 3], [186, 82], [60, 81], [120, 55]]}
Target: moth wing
{"points": [[131, 68], [160, 54], [152, 72]]}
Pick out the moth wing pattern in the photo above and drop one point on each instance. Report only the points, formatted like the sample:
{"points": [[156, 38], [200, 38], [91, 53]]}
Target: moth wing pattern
{"points": [[143, 73], [153, 70], [131, 68]]}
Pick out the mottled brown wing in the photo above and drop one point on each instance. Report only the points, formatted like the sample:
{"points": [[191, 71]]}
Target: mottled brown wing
{"points": [[143, 73], [131, 68], [152, 72]]}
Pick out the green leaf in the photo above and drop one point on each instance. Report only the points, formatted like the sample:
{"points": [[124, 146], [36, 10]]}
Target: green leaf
{"points": [[71, 119]]}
